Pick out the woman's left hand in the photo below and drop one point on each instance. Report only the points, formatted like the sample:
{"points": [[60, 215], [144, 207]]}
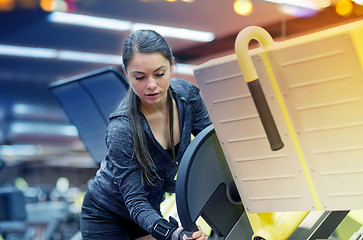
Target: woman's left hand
{"points": [[198, 235]]}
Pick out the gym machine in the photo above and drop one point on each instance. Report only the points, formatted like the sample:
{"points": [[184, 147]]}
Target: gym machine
{"points": [[288, 118]]}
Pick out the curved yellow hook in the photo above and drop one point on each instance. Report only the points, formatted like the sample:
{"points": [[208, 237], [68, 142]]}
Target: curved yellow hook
{"points": [[241, 47], [250, 74]]}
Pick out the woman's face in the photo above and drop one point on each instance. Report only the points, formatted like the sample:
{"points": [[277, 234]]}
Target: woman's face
{"points": [[149, 76]]}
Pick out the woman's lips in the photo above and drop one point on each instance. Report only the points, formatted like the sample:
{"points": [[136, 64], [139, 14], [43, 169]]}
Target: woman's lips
{"points": [[152, 94]]}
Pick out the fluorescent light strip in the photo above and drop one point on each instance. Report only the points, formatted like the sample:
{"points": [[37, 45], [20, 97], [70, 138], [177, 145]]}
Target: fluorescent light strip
{"points": [[120, 25], [181, 33], [27, 52], [304, 4], [90, 21], [23, 150], [89, 57], [182, 68], [9, 50], [16, 51], [43, 128]]}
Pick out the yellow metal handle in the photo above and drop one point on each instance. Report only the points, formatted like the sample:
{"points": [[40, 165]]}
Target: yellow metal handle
{"points": [[241, 47], [249, 72]]}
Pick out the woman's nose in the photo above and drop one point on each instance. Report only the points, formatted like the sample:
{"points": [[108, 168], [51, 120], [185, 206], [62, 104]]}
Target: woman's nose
{"points": [[151, 84]]}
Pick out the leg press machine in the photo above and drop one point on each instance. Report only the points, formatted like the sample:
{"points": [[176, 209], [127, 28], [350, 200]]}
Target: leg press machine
{"points": [[288, 121]]}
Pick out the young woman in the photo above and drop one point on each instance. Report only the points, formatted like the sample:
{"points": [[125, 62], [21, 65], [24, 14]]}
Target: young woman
{"points": [[146, 139]]}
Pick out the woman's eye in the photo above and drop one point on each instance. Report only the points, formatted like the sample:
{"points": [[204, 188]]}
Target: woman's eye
{"points": [[160, 74], [139, 78]]}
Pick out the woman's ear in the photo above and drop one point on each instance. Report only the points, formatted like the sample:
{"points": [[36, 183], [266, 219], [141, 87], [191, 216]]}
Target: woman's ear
{"points": [[172, 64], [125, 72]]}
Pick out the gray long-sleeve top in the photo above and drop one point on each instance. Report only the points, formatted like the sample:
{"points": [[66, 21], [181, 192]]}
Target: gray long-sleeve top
{"points": [[118, 184]]}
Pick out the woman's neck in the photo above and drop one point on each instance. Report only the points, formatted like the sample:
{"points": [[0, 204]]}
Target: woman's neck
{"points": [[150, 110], [158, 118]]}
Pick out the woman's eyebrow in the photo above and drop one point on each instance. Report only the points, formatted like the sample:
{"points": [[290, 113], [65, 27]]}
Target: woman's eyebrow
{"points": [[159, 68], [138, 72]]}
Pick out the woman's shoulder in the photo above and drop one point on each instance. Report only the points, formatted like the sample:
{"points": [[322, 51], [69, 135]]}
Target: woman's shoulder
{"points": [[181, 83], [118, 130], [121, 110], [119, 120], [183, 88]]}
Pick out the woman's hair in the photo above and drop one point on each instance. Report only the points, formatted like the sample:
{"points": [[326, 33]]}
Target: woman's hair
{"points": [[145, 41]]}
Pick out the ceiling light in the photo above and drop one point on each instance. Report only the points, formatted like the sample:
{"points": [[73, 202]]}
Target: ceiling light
{"points": [[27, 51], [311, 4], [297, 11], [344, 8], [186, 69], [49, 53], [120, 25], [7, 5], [181, 33], [89, 21], [89, 57], [15, 150], [243, 7], [36, 112], [53, 5], [360, 2], [43, 128]]}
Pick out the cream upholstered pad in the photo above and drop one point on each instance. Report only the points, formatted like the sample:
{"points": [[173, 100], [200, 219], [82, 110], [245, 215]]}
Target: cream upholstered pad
{"points": [[314, 88]]}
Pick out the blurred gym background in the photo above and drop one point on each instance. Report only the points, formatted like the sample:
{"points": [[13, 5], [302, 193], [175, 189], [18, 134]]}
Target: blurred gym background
{"points": [[44, 163]]}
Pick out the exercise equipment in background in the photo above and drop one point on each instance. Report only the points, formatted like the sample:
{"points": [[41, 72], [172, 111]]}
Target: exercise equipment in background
{"points": [[88, 100]]}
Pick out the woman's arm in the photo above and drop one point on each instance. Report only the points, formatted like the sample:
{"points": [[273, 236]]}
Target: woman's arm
{"points": [[127, 174]]}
